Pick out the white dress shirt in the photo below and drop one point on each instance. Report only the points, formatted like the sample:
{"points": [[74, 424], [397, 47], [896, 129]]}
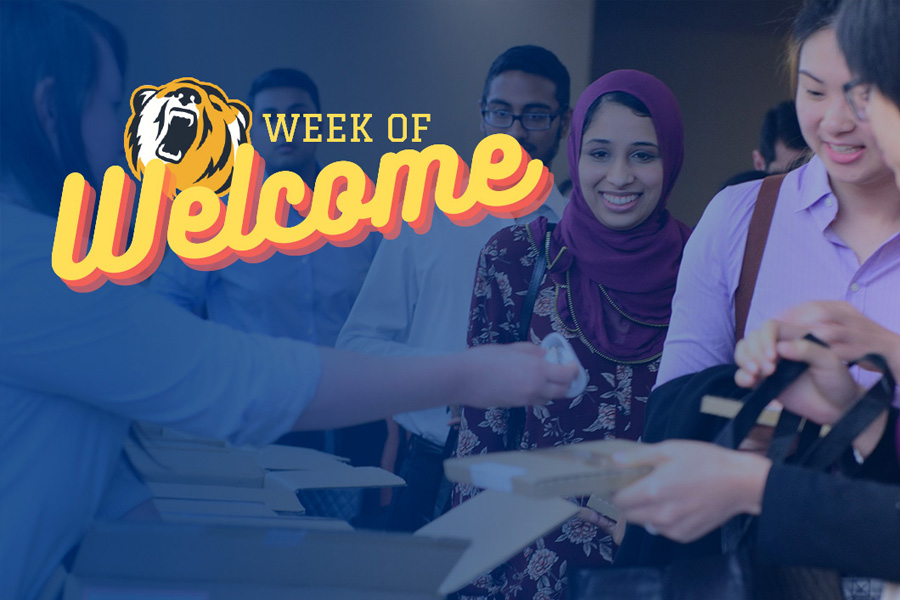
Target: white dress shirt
{"points": [[415, 299]]}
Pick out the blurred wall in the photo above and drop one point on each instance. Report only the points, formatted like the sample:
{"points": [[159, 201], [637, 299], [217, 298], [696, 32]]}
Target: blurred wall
{"points": [[380, 57], [725, 61], [722, 58]]}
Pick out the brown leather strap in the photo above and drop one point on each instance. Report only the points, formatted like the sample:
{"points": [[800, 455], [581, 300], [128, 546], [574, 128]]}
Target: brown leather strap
{"points": [[760, 222]]}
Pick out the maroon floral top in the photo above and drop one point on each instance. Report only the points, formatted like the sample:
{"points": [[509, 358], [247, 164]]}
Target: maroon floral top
{"points": [[612, 406]]}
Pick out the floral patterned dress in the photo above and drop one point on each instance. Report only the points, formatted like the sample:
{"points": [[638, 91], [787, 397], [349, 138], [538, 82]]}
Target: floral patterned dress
{"points": [[612, 406]]}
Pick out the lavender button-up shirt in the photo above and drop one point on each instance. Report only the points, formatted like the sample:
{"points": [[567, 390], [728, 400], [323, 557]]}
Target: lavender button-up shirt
{"points": [[804, 260]]}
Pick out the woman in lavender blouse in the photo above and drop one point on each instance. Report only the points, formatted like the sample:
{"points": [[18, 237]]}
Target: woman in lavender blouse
{"points": [[833, 521], [612, 263]]}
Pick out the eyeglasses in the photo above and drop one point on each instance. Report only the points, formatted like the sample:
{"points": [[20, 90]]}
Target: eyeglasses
{"points": [[503, 119], [857, 95]]}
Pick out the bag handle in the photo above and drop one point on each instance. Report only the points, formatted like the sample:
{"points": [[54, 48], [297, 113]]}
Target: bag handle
{"points": [[826, 451], [739, 427], [819, 453]]}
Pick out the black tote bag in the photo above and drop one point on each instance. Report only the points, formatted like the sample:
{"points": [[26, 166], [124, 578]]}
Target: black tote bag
{"points": [[734, 574]]}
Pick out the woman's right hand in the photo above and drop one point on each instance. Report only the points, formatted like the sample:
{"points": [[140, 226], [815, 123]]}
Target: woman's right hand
{"points": [[822, 394], [848, 332], [693, 488]]}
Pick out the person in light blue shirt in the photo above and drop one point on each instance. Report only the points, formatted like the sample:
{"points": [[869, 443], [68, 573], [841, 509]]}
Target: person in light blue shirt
{"points": [[77, 368], [415, 300], [300, 297]]}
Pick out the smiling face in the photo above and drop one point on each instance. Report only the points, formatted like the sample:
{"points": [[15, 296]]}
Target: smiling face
{"points": [[620, 169], [845, 145]]}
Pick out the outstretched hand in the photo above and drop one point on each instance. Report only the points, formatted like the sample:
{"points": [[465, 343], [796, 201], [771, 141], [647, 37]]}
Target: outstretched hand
{"points": [[693, 488], [512, 375]]}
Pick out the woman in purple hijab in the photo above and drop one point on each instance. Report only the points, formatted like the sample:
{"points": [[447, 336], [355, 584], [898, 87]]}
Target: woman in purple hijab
{"points": [[612, 262]]}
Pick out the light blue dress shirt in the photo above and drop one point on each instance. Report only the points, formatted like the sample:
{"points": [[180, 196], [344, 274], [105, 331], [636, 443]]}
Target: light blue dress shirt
{"points": [[77, 368], [416, 298], [301, 297]]}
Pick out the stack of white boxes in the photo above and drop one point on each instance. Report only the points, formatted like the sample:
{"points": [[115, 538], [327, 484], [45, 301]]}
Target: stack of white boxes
{"points": [[234, 533]]}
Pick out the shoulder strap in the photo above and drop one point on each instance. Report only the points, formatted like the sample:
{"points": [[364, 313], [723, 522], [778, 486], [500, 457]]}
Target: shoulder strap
{"points": [[515, 425], [757, 235], [537, 276]]}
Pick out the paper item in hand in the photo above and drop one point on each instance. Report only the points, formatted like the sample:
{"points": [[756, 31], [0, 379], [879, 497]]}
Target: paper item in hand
{"points": [[560, 352], [574, 470], [729, 408]]}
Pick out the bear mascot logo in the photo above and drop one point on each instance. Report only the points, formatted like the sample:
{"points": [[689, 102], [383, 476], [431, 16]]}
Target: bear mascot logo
{"points": [[193, 126]]}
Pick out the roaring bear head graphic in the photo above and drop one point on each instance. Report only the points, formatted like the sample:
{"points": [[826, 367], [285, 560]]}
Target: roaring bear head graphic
{"points": [[190, 124]]}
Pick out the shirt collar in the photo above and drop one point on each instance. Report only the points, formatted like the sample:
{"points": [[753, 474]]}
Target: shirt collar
{"points": [[556, 202], [552, 208], [812, 193], [810, 185]]}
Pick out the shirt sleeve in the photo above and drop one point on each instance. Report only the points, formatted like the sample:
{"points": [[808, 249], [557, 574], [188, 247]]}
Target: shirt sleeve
{"points": [[181, 284], [701, 330], [830, 521], [129, 352]]}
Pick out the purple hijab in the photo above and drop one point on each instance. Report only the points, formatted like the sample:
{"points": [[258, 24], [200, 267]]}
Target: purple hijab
{"points": [[637, 267]]}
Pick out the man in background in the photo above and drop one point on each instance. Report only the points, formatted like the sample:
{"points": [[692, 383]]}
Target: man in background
{"points": [[781, 145], [415, 300], [302, 297]]}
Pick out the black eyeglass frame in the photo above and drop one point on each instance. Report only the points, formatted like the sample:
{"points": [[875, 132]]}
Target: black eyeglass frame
{"points": [[521, 118], [859, 112]]}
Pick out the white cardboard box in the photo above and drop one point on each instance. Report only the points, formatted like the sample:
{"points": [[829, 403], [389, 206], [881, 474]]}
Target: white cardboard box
{"points": [[574, 470], [144, 561], [150, 560], [297, 468]]}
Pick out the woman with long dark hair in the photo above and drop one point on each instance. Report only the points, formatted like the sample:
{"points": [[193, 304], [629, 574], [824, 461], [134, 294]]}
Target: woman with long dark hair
{"points": [[806, 517]]}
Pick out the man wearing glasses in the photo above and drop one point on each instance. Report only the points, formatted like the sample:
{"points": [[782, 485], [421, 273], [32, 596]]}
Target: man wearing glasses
{"points": [[416, 297], [526, 95]]}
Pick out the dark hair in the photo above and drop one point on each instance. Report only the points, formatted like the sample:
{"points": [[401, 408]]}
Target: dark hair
{"points": [[869, 35], [815, 16], [536, 61], [291, 78], [780, 124], [743, 177], [623, 98], [42, 40]]}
